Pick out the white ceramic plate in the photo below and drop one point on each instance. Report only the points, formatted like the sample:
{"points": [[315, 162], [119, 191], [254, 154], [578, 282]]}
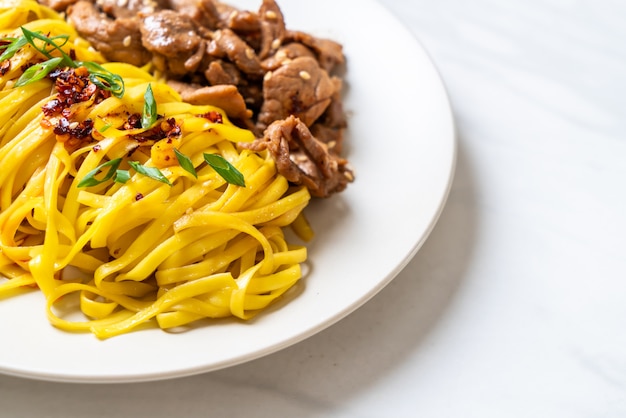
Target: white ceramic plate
{"points": [[402, 146]]}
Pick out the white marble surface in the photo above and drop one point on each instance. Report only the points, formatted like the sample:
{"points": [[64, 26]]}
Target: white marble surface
{"points": [[516, 304]]}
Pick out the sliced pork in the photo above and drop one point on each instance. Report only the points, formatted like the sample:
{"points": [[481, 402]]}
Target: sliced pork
{"points": [[117, 39], [283, 84], [302, 158]]}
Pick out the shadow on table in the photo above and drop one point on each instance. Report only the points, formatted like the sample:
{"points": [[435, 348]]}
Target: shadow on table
{"points": [[315, 376]]}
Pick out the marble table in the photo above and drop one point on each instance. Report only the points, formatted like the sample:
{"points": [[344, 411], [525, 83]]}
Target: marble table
{"points": [[516, 304]]}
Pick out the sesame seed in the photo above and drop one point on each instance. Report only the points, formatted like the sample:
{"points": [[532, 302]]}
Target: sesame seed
{"points": [[122, 3], [304, 75], [147, 6], [267, 75], [127, 40], [270, 14], [276, 43], [332, 144], [73, 125], [249, 53], [348, 175]]}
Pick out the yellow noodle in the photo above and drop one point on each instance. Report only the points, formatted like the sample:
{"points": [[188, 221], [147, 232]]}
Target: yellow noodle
{"points": [[141, 253]]}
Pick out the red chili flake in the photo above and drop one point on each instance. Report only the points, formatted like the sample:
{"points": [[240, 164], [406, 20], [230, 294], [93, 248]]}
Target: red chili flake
{"points": [[84, 129], [173, 129], [54, 106], [5, 66], [96, 148], [78, 130], [133, 122], [167, 128], [138, 196], [213, 116], [72, 86], [62, 127]]}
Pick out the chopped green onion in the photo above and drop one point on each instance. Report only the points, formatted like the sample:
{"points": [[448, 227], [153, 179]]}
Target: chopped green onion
{"points": [[121, 176], [185, 163], [149, 116], [152, 172], [104, 78], [225, 169], [31, 36], [105, 127], [98, 75], [91, 180], [37, 72], [10, 49]]}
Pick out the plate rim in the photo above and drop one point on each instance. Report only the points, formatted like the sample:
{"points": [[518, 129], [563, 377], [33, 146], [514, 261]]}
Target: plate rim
{"points": [[311, 331]]}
